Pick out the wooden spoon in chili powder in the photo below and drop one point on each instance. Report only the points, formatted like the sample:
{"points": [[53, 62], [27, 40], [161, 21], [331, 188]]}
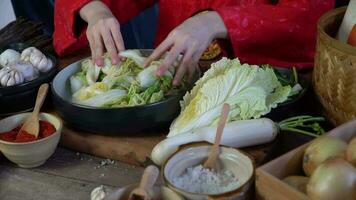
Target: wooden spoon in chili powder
{"points": [[31, 124]]}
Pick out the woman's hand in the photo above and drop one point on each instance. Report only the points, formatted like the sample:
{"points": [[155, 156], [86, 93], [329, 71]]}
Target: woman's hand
{"points": [[103, 32], [190, 39]]}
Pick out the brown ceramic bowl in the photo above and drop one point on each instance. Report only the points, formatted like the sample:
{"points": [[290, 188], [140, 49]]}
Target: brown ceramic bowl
{"points": [[232, 159]]}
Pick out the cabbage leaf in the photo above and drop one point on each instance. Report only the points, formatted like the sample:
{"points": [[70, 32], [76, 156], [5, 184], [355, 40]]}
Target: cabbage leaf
{"points": [[140, 85], [250, 91]]}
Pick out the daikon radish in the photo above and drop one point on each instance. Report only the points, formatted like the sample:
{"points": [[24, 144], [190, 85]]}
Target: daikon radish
{"points": [[348, 22], [239, 134]]}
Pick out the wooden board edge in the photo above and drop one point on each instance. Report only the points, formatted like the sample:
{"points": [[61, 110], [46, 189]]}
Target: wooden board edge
{"points": [[267, 185]]}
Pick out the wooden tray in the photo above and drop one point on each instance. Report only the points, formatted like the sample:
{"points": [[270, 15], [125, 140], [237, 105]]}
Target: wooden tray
{"points": [[269, 184]]}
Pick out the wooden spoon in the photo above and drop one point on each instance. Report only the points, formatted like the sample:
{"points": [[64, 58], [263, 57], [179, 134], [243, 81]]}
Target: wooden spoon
{"points": [[211, 162], [148, 179], [31, 124]]}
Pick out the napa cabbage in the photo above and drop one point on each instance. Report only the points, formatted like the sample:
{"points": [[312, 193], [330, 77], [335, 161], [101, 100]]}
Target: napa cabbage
{"points": [[250, 90]]}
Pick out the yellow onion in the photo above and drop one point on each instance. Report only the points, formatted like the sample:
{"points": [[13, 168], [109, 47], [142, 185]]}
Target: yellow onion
{"points": [[297, 182], [335, 179], [320, 150], [351, 152]]}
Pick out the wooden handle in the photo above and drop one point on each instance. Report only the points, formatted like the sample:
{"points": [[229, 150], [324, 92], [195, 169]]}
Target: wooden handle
{"points": [[214, 152], [149, 177], [41, 96], [221, 124]]}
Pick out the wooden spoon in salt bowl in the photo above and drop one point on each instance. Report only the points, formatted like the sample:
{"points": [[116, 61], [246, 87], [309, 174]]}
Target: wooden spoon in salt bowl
{"points": [[32, 124], [143, 192], [212, 161]]}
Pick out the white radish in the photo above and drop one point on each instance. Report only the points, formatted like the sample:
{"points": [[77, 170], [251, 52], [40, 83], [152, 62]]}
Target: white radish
{"points": [[239, 134], [236, 134]]}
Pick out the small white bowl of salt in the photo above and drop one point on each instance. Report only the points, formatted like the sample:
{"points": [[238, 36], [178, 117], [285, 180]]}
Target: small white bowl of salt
{"points": [[184, 173]]}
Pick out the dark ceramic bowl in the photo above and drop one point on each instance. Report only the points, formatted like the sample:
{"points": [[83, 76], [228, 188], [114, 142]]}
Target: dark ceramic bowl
{"points": [[22, 97], [123, 120], [293, 105]]}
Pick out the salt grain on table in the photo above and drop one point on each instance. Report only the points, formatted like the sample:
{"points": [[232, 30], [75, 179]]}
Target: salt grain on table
{"points": [[204, 181]]}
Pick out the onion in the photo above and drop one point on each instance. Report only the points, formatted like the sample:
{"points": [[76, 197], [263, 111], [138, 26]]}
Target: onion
{"points": [[351, 152], [334, 179], [320, 150]]}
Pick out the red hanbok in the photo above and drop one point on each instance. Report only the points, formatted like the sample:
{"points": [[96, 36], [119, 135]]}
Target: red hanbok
{"points": [[282, 33]]}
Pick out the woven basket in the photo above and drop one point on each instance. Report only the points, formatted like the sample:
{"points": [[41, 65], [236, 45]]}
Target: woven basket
{"points": [[334, 76]]}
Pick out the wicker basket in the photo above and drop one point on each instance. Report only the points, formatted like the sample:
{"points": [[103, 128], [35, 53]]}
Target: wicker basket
{"points": [[334, 76]]}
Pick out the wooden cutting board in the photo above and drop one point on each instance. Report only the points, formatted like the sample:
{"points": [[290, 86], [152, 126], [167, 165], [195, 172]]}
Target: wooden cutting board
{"points": [[129, 149], [133, 150]]}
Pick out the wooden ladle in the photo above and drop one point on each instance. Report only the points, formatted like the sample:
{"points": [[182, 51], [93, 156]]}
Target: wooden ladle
{"points": [[147, 182], [211, 162], [31, 124]]}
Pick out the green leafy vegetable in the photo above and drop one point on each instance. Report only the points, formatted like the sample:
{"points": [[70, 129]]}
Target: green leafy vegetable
{"points": [[140, 85], [105, 98], [305, 124], [250, 90]]}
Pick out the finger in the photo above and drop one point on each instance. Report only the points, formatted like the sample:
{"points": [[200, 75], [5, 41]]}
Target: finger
{"points": [[184, 65], [193, 67], [98, 49], [171, 56], [110, 46], [91, 45], [163, 47], [119, 42]]}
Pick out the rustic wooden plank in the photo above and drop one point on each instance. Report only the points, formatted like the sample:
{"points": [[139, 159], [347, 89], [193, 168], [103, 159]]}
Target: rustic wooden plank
{"points": [[128, 149], [19, 184], [83, 167]]}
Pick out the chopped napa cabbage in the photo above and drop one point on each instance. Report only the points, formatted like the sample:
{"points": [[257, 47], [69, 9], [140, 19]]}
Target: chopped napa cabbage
{"points": [[155, 97], [147, 77], [251, 92], [90, 91], [78, 81], [92, 71], [140, 84], [105, 98], [134, 55]]}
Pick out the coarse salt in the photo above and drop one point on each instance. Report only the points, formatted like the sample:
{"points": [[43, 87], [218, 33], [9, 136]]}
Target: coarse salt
{"points": [[205, 181]]}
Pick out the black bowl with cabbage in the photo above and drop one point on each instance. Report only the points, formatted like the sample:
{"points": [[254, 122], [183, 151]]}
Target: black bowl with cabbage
{"points": [[117, 99]]}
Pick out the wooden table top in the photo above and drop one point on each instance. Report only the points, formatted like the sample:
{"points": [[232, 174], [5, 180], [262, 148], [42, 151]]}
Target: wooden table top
{"points": [[72, 175]]}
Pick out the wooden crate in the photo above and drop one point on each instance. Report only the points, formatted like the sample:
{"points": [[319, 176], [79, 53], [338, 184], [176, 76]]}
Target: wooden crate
{"points": [[269, 184]]}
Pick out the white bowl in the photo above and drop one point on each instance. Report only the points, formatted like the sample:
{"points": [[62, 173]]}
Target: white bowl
{"points": [[239, 163], [30, 154]]}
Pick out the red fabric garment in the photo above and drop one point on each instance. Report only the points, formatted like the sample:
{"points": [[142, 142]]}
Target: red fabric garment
{"points": [[282, 34]]}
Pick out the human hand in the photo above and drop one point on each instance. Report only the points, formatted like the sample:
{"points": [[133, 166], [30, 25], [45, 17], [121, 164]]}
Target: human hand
{"points": [[190, 39], [103, 32]]}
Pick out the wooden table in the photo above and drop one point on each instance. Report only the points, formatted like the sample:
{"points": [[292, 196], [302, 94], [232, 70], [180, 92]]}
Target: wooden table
{"points": [[67, 175], [72, 175]]}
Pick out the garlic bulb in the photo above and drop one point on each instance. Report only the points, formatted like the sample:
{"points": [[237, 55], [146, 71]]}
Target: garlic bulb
{"points": [[10, 77], [26, 69], [98, 193], [9, 56], [37, 59]]}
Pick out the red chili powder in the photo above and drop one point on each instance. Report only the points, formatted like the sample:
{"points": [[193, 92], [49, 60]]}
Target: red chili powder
{"points": [[15, 135]]}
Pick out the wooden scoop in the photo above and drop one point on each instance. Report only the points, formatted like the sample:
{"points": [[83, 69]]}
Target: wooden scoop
{"points": [[211, 162], [148, 179], [31, 124]]}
